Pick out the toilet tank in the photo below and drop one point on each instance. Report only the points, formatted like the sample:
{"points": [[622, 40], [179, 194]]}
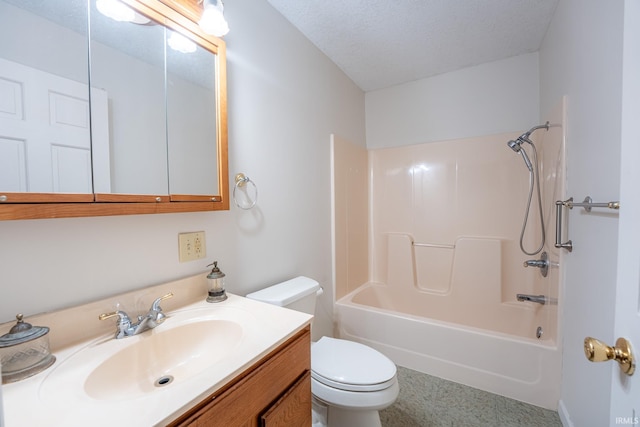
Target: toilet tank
{"points": [[297, 294]]}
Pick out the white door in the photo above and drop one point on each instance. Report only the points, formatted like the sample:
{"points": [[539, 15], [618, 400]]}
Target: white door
{"points": [[44, 131], [625, 390]]}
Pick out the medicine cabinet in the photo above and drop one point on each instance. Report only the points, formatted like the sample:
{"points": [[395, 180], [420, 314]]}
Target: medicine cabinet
{"points": [[104, 115]]}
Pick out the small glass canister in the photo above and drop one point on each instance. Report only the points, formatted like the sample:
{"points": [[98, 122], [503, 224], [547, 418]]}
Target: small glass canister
{"points": [[24, 351], [215, 281]]}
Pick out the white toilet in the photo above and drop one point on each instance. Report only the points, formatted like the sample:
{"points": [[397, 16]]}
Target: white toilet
{"points": [[350, 382]]}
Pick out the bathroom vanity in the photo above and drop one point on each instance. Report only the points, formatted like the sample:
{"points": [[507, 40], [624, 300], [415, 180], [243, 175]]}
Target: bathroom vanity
{"points": [[273, 392], [235, 363]]}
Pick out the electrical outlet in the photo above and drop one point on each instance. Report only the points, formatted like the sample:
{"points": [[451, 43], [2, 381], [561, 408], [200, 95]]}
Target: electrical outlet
{"points": [[191, 246]]}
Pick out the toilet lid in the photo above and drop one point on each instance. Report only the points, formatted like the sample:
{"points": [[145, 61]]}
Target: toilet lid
{"points": [[349, 365]]}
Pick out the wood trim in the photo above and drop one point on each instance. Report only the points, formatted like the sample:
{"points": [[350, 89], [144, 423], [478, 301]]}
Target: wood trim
{"points": [[159, 10], [45, 198], [190, 8], [194, 198], [131, 198], [75, 210]]}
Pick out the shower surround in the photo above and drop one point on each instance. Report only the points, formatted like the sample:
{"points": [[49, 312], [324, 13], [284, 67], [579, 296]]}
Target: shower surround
{"points": [[437, 292]]}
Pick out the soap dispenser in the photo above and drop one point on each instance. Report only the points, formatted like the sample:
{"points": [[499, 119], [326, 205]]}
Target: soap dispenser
{"points": [[215, 280]]}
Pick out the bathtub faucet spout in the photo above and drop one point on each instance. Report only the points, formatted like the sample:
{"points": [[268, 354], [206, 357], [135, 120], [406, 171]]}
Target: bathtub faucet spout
{"points": [[540, 299]]}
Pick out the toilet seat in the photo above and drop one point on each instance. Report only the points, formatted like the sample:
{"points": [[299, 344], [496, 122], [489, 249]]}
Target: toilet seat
{"points": [[351, 366]]}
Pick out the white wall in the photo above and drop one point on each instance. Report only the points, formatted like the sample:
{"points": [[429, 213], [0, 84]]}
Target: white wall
{"points": [[487, 99], [581, 56], [285, 99]]}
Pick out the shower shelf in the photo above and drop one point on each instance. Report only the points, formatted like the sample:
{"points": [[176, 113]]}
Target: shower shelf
{"points": [[586, 204]]}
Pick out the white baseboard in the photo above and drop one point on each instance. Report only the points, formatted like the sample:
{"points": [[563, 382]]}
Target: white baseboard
{"points": [[564, 415]]}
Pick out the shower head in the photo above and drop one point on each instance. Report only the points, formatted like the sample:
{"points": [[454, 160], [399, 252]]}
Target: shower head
{"points": [[516, 145]]}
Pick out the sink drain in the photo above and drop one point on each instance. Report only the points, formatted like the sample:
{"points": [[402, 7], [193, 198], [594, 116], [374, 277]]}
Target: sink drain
{"points": [[163, 381]]}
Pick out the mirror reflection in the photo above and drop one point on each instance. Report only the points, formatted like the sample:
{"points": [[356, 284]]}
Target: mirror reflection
{"points": [[191, 118], [44, 97], [129, 120], [152, 125]]}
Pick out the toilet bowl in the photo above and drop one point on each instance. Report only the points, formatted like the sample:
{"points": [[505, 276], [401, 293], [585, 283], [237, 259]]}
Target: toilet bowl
{"points": [[350, 382]]}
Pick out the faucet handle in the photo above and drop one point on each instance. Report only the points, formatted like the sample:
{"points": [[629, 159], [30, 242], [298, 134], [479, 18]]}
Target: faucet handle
{"points": [[542, 263], [122, 316], [156, 304], [124, 322]]}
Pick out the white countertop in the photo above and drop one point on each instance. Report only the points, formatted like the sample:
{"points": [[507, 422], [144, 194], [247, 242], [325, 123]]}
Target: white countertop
{"points": [[57, 396]]}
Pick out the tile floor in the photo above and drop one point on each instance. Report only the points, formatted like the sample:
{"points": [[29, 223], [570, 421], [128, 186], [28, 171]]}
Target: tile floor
{"points": [[427, 401]]}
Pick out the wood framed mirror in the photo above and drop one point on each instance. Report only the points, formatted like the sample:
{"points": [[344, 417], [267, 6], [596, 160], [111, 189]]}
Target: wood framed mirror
{"points": [[146, 128]]}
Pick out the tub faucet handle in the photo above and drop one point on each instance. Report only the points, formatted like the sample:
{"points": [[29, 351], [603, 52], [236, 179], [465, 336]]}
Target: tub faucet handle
{"points": [[535, 263], [542, 263]]}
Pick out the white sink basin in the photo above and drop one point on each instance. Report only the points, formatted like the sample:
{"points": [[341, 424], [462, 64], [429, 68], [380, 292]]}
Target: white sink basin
{"points": [[103, 381], [187, 344], [160, 357]]}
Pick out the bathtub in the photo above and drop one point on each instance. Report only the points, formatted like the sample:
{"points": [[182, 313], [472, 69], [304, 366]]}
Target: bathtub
{"points": [[508, 360]]}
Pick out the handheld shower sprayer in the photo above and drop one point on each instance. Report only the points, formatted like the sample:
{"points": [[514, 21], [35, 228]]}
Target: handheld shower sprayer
{"points": [[516, 145]]}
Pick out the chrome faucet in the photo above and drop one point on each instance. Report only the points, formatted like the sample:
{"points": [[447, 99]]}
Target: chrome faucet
{"points": [[535, 263], [540, 299], [542, 263], [153, 318]]}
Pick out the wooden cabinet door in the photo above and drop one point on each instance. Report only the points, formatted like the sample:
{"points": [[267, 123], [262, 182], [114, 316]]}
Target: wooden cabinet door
{"points": [[276, 385], [293, 409]]}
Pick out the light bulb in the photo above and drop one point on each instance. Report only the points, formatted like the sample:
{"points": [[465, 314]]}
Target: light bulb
{"points": [[115, 10], [180, 43], [212, 20]]}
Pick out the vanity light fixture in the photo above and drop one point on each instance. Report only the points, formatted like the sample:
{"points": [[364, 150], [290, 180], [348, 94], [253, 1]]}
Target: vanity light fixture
{"points": [[180, 43], [120, 12], [212, 20]]}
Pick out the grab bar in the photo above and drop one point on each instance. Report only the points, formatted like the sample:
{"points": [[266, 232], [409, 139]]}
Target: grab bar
{"points": [[434, 245], [568, 245], [587, 204]]}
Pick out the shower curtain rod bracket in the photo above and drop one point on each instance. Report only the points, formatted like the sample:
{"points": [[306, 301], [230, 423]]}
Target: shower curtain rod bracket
{"points": [[588, 203]]}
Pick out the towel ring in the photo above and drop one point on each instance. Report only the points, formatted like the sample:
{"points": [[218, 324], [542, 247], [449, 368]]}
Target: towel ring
{"points": [[241, 183]]}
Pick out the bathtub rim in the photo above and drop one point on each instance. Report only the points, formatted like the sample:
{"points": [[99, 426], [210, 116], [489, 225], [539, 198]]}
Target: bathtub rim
{"points": [[347, 300]]}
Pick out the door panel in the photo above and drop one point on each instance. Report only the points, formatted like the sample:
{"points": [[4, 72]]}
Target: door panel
{"points": [[44, 122], [625, 390]]}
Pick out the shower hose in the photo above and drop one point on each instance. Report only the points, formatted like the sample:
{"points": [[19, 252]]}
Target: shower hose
{"points": [[534, 181]]}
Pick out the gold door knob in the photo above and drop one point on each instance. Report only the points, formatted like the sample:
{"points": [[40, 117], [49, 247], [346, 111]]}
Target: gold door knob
{"points": [[597, 351]]}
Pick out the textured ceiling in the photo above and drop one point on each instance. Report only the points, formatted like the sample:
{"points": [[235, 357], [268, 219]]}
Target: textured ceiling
{"points": [[381, 43]]}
